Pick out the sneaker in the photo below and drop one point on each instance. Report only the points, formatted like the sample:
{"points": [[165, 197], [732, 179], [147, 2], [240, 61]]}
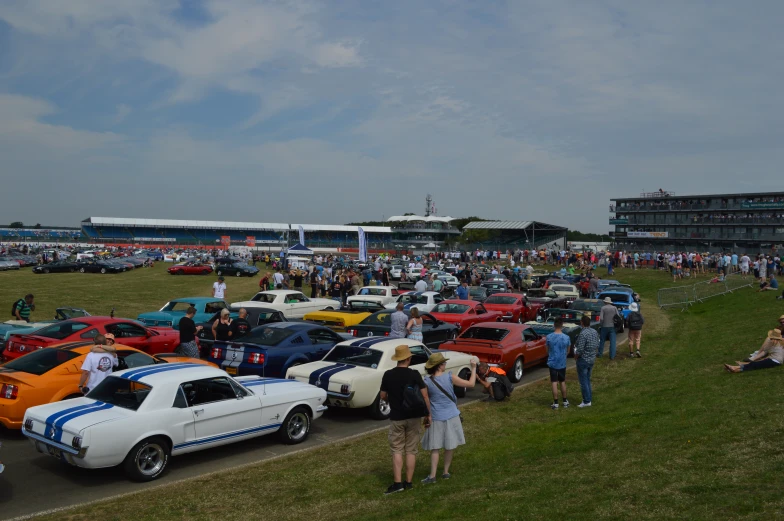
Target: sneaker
{"points": [[446, 476], [638, 355], [566, 404], [554, 406], [631, 355], [394, 487], [583, 404], [428, 480], [408, 485]]}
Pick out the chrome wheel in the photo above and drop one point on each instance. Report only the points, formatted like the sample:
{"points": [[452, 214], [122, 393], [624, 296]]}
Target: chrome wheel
{"points": [[518, 369], [150, 459], [298, 426]]}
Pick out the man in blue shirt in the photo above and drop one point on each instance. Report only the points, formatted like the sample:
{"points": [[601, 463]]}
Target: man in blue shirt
{"points": [[462, 291], [557, 349]]}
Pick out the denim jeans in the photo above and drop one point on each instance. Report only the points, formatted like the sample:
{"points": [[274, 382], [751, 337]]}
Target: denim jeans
{"points": [[584, 371], [604, 333]]}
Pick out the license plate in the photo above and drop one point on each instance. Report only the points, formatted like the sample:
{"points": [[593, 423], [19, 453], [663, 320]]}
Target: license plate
{"points": [[57, 453], [231, 370]]}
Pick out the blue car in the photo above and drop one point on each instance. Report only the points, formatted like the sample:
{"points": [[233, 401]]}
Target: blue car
{"points": [[269, 350], [171, 313], [621, 299]]}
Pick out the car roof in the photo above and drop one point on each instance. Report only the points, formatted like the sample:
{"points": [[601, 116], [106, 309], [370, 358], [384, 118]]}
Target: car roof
{"points": [[292, 325], [169, 373], [381, 343], [279, 291]]}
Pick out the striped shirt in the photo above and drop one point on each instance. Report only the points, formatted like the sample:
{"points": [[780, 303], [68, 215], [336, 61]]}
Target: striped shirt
{"points": [[587, 345], [24, 310]]}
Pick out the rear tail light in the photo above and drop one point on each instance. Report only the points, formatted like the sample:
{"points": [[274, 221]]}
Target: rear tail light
{"points": [[345, 389], [386, 333], [256, 358], [9, 392], [76, 442], [217, 352], [352, 332], [28, 424]]}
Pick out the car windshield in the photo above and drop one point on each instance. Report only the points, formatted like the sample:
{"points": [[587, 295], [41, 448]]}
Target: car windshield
{"points": [[616, 298], [582, 305], [477, 291], [498, 299], [413, 299], [268, 336], [355, 356], [41, 361], [485, 333], [121, 392], [568, 315], [240, 265], [455, 309], [61, 330], [179, 307], [373, 291], [382, 318], [561, 288], [537, 293], [267, 298]]}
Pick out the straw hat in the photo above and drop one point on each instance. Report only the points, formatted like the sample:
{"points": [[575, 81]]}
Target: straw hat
{"points": [[402, 352], [435, 359], [775, 334], [608, 300]]}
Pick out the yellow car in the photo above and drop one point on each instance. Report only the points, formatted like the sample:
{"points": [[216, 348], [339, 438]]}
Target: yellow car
{"points": [[338, 321]]}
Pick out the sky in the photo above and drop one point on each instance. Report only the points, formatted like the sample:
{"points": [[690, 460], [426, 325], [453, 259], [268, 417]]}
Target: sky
{"points": [[353, 110]]}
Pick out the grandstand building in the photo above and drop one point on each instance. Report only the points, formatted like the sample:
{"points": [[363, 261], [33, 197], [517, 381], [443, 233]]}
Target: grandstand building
{"points": [[39, 235], [510, 235], [422, 232], [118, 230]]}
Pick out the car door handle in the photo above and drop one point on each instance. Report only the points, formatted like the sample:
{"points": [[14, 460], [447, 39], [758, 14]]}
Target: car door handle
{"points": [[198, 411]]}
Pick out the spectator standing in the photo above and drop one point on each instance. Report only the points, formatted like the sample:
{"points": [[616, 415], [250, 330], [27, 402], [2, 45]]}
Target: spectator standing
{"points": [[298, 276], [278, 278], [607, 319], [462, 291], [221, 328], [336, 290], [240, 325], [315, 281], [398, 321], [446, 429], [23, 307], [635, 329], [421, 285], [219, 288], [97, 366], [438, 284], [594, 286], [188, 330], [557, 348], [405, 424], [414, 326], [585, 349]]}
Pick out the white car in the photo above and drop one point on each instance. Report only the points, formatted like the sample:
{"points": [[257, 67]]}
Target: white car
{"points": [[566, 290], [450, 281], [424, 301], [395, 271], [293, 304], [139, 417], [351, 372], [382, 294]]}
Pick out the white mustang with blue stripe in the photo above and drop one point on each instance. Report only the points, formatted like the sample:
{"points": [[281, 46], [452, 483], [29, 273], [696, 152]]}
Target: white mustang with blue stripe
{"points": [[351, 372], [139, 417]]}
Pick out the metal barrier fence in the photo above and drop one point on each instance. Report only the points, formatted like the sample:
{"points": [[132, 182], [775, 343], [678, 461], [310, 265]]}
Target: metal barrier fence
{"points": [[685, 296]]}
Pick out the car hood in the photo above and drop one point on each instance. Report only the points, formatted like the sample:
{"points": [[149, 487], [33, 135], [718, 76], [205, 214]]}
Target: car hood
{"points": [[500, 307]]}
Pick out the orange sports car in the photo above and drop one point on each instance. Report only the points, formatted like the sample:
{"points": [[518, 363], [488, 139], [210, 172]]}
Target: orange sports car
{"points": [[52, 374]]}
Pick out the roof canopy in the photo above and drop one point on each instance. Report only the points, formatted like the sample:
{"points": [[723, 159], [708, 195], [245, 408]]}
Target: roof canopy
{"points": [[428, 219], [228, 225], [299, 249], [510, 225]]}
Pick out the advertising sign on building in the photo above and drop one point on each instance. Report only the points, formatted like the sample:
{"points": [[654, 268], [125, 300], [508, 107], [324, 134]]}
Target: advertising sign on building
{"points": [[619, 221], [762, 206], [647, 235], [225, 241], [250, 241]]}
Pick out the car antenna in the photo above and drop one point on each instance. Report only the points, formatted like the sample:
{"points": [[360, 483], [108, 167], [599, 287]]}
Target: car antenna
{"points": [[112, 313]]}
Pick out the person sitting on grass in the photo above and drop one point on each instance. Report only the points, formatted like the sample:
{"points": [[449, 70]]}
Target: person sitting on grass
{"points": [[772, 285], [494, 382], [771, 354]]}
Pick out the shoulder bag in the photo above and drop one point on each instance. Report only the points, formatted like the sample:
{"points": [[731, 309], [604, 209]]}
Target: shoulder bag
{"points": [[447, 395]]}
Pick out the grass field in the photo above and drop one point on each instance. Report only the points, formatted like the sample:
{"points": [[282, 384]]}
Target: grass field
{"points": [[670, 436]]}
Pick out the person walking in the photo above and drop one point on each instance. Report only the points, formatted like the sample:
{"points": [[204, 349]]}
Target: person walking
{"points": [[414, 326], [557, 348], [635, 329], [585, 349], [607, 320], [188, 330], [219, 288], [315, 282], [405, 423], [278, 278], [594, 286], [297, 279], [23, 307], [221, 328], [399, 321], [446, 429]]}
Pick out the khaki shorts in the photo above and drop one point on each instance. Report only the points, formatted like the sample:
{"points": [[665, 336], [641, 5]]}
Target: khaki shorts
{"points": [[404, 436]]}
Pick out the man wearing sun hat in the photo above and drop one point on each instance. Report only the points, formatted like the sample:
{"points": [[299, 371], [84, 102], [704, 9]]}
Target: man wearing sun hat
{"points": [[404, 427], [607, 320]]}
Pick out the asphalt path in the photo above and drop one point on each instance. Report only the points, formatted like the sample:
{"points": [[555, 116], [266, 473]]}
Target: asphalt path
{"points": [[35, 483]]}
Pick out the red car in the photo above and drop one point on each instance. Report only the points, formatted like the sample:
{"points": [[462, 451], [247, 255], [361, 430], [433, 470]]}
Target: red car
{"points": [[191, 268], [513, 347], [151, 340], [513, 307], [463, 313]]}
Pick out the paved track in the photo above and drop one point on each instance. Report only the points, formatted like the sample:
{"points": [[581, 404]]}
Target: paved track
{"points": [[33, 482]]}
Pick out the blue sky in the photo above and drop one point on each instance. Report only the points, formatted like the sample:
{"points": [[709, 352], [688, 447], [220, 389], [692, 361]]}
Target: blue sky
{"points": [[330, 112]]}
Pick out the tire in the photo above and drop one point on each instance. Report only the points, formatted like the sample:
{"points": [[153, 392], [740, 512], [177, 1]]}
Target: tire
{"points": [[239, 274], [103, 270], [147, 460], [379, 410], [460, 392], [81, 270], [46, 270], [295, 427], [516, 373]]}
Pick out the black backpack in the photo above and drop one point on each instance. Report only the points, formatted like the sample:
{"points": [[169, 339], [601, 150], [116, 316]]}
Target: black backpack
{"points": [[502, 387], [14, 305], [413, 403], [635, 320]]}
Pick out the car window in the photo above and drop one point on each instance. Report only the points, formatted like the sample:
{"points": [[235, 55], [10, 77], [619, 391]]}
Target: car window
{"points": [[500, 299], [209, 390], [121, 392], [126, 330], [319, 336], [41, 361], [447, 307], [485, 333], [61, 330], [362, 357], [528, 335], [176, 306], [438, 298], [265, 318], [382, 318], [90, 333], [130, 359], [419, 354], [267, 298], [268, 336], [378, 292], [480, 309]]}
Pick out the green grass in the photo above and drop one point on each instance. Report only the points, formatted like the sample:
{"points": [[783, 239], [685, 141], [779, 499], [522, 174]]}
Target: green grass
{"points": [[670, 436]]}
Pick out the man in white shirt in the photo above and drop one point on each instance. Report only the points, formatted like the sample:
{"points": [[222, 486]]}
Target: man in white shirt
{"points": [[420, 286], [97, 365], [278, 278], [219, 288]]}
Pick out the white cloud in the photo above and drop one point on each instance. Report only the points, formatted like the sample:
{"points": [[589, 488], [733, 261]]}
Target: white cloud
{"points": [[123, 111]]}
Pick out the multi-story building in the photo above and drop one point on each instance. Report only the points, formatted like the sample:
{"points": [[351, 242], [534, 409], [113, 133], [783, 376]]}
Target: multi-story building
{"points": [[664, 221], [418, 232]]}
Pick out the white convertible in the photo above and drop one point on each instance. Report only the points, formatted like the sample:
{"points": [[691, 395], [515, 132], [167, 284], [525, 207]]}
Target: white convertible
{"points": [[293, 304], [566, 290], [382, 294], [424, 301], [351, 372], [139, 417]]}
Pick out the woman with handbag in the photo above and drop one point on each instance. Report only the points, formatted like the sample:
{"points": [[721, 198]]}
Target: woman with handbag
{"points": [[446, 430]]}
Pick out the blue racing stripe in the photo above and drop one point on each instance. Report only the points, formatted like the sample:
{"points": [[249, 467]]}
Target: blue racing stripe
{"points": [[212, 439], [324, 378], [132, 372], [139, 376], [318, 372], [53, 417], [59, 424], [265, 382], [367, 342]]}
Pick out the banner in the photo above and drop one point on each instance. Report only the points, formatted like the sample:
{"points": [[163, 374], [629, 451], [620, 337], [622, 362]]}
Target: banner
{"points": [[250, 241], [362, 245], [301, 235], [762, 206], [648, 235], [619, 221], [225, 241]]}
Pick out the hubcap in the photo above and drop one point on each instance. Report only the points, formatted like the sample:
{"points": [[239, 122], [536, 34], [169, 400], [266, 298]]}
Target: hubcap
{"points": [[149, 461], [519, 369], [298, 426]]}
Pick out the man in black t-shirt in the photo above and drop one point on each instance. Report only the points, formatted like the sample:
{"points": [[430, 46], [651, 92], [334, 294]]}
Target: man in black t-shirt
{"points": [[298, 280], [188, 330], [314, 283], [240, 326], [403, 429]]}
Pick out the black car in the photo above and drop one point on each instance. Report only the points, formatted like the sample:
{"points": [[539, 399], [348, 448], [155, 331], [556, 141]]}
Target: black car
{"points": [[495, 287], [238, 269], [594, 307], [256, 317], [434, 331], [99, 266], [57, 267], [546, 297], [478, 293]]}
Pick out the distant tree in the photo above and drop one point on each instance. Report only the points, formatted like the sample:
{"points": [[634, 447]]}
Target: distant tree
{"points": [[407, 214], [369, 223], [574, 235], [37, 226], [16, 224]]}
